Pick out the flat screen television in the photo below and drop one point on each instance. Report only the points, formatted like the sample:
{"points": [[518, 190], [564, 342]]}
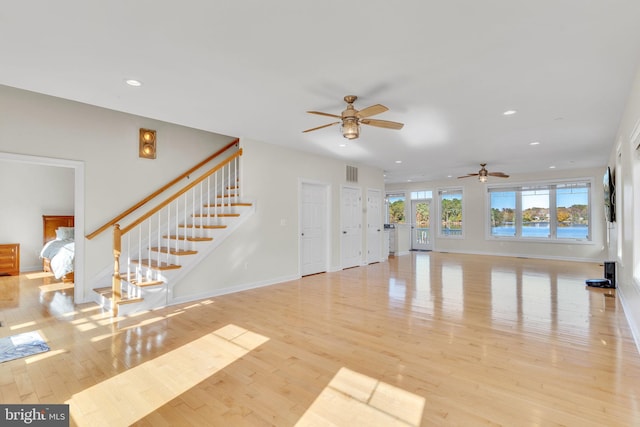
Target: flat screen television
{"points": [[609, 196]]}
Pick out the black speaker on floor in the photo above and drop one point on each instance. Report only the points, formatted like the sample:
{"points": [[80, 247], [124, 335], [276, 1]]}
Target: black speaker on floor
{"points": [[610, 273]]}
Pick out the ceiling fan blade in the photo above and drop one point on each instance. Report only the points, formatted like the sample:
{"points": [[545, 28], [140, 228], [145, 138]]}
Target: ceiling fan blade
{"points": [[499, 174], [371, 111], [382, 123], [320, 127], [468, 175], [324, 114]]}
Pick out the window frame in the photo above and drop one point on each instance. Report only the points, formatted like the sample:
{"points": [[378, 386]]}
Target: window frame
{"points": [[439, 193], [395, 194], [552, 186]]}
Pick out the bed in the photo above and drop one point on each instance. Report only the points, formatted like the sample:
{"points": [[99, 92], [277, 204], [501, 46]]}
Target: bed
{"points": [[58, 251]]}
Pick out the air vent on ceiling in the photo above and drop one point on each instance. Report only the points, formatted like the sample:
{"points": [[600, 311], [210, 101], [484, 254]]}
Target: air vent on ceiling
{"points": [[352, 174]]}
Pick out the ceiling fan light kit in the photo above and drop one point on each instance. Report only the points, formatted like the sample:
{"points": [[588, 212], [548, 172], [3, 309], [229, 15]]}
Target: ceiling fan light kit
{"points": [[350, 128], [351, 119]]}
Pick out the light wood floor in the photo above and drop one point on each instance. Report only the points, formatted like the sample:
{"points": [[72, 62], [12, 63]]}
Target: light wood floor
{"points": [[424, 339]]}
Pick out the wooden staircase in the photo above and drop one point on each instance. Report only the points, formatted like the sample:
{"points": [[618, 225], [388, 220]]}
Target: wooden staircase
{"points": [[148, 282], [157, 249]]}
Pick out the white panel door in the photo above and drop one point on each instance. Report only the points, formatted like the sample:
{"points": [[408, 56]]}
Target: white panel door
{"points": [[374, 226], [421, 230], [313, 224], [351, 222]]}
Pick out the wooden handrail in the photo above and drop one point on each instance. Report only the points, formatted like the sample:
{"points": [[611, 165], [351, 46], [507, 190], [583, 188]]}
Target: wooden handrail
{"points": [[219, 166], [161, 190]]}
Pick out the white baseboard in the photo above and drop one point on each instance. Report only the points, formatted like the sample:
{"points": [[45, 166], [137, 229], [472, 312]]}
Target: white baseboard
{"points": [[231, 289]]}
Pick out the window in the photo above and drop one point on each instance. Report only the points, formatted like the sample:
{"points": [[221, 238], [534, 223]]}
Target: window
{"points": [[503, 213], [535, 212], [550, 211], [572, 211], [395, 208], [450, 212]]}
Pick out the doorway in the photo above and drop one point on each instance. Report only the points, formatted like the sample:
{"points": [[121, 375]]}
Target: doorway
{"points": [[78, 167], [421, 230]]}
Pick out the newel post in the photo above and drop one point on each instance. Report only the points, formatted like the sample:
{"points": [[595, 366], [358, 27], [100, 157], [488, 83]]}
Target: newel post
{"points": [[115, 282]]}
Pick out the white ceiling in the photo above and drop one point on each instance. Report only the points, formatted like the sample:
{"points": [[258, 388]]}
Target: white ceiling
{"points": [[447, 69]]}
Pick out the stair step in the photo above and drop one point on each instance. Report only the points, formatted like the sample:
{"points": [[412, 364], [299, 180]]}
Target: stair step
{"points": [[131, 278], [108, 294], [103, 291], [189, 239], [204, 226], [213, 215], [147, 283], [229, 204], [154, 264], [174, 251], [232, 187], [221, 196]]}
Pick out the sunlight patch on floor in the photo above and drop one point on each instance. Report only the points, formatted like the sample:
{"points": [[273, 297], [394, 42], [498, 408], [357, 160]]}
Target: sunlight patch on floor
{"points": [[133, 394], [23, 325], [46, 355], [38, 275], [353, 399], [60, 286]]}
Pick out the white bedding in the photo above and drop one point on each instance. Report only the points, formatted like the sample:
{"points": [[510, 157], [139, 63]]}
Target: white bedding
{"points": [[61, 256]]}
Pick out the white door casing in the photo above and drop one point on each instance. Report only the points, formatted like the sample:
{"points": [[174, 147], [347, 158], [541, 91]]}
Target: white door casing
{"points": [[313, 228]]}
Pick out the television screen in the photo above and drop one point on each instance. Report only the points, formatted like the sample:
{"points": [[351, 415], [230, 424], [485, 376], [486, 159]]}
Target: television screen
{"points": [[609, 196]]}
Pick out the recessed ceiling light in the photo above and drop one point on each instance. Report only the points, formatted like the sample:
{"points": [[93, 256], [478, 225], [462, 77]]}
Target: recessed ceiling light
{"points": [[509, 112], [409, 180], [342, 145], [398, 161], [449, 176], [534, 143], [552, 167], [133, 82]]}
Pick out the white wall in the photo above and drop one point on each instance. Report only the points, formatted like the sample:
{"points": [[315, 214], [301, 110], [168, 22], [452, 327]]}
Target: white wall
{"points": [[106, 143], [28, 191], [475, 210], [624, 244], [265, 249]]}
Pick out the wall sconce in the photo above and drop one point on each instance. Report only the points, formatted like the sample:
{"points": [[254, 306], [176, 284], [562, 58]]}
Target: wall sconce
{"points": [[147, 148]]}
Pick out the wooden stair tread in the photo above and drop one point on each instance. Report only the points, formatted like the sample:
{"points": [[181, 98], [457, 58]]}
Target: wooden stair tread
{"points": [[210, 205], [154, 264], [147, 283], [103, 291], [174, 251], [213, 215], [205, 226], [107, 293], [131, 279], [188, 239]]}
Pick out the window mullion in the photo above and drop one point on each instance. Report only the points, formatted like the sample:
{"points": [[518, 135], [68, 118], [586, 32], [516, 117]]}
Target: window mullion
{"points": [[553, 213], [518, 218]]}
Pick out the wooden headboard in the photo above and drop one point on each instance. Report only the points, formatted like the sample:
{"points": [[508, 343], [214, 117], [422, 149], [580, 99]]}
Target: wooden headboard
{"points": [[50, 224]]}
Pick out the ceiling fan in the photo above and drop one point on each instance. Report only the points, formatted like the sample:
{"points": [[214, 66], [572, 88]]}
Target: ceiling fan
{"points": [[483, 174], [351, 119]]}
